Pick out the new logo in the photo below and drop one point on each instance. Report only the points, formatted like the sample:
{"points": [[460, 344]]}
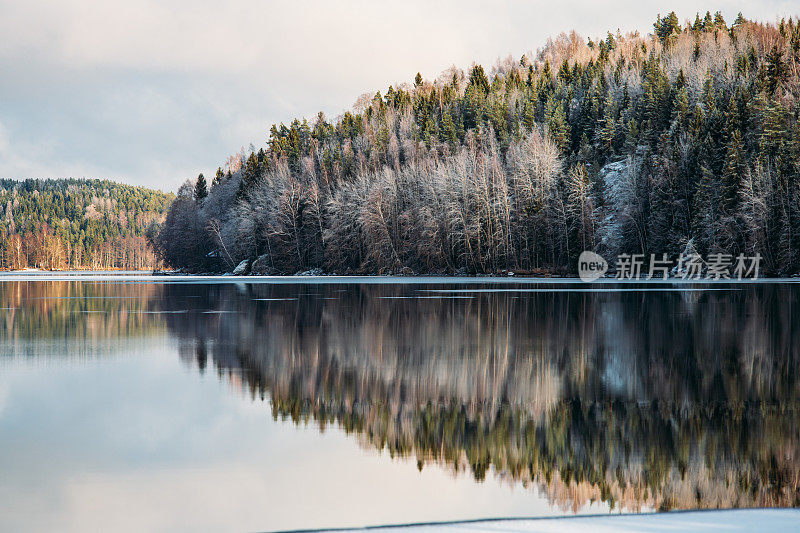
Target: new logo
{"points": [[591, 266]]}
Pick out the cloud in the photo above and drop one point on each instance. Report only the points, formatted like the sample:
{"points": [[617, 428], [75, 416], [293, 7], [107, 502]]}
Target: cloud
{"points": [[154, 92]]}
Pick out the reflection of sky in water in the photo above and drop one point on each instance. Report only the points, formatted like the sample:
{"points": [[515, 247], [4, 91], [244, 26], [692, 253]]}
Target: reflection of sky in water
{"points": [[108, 422], [137, 441]]}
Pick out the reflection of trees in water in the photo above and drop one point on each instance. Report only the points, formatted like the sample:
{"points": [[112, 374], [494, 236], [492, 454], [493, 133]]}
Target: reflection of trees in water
{"points": [[74, 317], [638, 399]]}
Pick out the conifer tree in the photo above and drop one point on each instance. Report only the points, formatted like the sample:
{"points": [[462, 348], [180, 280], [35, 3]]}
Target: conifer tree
{"points": [[529, 114], [448, 131], [734, 172], [708, 22], [698, 24], [557, 124], [667, 26], [608, 131], [200, 189], [218, 177], [478, 79], [775, 69]]}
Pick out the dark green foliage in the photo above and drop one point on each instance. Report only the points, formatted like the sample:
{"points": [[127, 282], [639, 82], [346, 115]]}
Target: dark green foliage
{"points": [[478, 79], [775, 69], [667, 26], [200, 188]]}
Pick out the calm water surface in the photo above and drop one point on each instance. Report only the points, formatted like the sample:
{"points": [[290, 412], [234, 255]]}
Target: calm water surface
{"points": [[144, 404]]}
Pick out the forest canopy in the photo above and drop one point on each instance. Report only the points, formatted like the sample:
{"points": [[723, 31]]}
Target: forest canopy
{"points": [[686, 137], [78, 224]]}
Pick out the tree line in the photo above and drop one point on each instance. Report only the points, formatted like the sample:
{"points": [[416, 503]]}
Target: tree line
{"points": [[687, 137], [78, 224]]}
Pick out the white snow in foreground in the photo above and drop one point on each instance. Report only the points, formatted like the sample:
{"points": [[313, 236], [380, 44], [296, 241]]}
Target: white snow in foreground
{"points": [[716, 521]]}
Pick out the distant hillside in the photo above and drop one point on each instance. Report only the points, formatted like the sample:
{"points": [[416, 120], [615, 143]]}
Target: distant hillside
{"points": [[626, 143], [77, 223]]}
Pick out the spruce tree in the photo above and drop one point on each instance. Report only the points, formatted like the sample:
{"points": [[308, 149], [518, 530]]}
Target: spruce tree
{"points": [[631, 136], [735, 169], [698, 24], [667, 26], [775, 69], [607, 134], [557, 124], [448, 131], [529, 116], [478, 79], [200, 189], [218, 177]]}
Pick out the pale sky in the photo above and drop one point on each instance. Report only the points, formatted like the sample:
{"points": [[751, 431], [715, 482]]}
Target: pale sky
{"points": [[154, 92]]}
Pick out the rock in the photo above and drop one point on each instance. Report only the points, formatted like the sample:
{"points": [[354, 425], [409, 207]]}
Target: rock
{"points": [[312, 272], [241, 268], [261, 266]]}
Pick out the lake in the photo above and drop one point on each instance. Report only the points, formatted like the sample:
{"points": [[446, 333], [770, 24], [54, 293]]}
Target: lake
{"points": [[147, 403]]}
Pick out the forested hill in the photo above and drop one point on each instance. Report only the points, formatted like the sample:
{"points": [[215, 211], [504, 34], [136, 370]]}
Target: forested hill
{"points": [[622, 144], [77, 223]]}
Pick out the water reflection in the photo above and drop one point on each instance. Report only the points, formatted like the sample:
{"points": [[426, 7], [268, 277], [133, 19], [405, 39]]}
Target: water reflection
{"points": [[669, 399], [74, 319], [661, 399]]}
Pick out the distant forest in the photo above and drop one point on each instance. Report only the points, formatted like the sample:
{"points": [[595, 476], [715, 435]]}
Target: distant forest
{"points": [[78, 224], [686, 137]]}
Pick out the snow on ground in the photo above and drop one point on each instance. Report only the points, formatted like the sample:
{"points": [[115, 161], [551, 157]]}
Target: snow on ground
{"points": [[739, 520]]}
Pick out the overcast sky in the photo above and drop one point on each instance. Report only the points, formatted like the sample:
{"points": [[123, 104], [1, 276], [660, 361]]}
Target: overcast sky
{"points": [[154, 92]]}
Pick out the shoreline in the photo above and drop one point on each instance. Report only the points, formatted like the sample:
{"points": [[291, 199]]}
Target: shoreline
{"points": [[758, 519], [144, 275]]}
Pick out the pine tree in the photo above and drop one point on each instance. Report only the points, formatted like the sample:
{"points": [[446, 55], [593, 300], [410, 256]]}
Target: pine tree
{"points": [[448, 130], [667, 26], [473, 107], [680, 108], [708, 22], [735, 169], [607, 134], [698, 24], [774, 129], [557, 124], [478, 79], [218, 177], [529, 114], [250, 175], [631, 136], [200, 189], [776, 69]]}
